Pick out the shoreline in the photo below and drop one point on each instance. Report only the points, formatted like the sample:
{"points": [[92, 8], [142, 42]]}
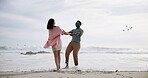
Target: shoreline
{"points": [[74, 74]]}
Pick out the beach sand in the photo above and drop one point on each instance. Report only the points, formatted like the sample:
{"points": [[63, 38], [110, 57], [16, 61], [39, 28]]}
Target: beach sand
{"points": [[74, 74]]}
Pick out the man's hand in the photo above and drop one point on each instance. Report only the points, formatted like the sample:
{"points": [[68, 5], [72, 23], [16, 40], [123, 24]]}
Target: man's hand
{"points": [[72, 34], [75, 34]]}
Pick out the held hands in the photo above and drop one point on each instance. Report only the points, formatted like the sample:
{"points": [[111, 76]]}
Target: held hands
{"points": [[72, 34], [66, 33]]}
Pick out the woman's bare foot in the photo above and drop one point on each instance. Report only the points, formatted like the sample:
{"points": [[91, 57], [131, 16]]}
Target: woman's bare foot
{"points": [[58, 70]]}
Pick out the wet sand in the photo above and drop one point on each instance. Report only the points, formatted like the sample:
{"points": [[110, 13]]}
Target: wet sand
{"points": [[75, 74]]}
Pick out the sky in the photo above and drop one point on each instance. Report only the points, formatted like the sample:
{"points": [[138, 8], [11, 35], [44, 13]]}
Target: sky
{"points": [[23, 22]]}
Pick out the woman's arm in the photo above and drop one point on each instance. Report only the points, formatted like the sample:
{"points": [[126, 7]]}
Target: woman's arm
{"points": [[66, 33]]}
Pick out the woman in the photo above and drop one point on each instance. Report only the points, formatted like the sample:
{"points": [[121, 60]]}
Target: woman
{"points": [[54, 40]]}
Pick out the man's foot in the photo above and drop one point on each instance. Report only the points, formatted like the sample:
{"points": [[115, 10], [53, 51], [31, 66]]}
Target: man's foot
{"points": [[76, 65], [66, 67]]}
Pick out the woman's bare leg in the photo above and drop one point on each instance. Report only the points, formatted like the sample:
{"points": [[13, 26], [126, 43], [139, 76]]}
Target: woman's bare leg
{"points": [[57, 59]]}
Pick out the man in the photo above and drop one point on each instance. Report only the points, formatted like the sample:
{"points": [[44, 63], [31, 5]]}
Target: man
{"points": [[74, 45]]}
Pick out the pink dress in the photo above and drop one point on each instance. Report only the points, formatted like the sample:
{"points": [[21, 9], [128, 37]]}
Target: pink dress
{"points": [[54, 37]]}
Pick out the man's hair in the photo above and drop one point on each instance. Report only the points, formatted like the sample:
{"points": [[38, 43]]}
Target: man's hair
{"points": [[79, 22]]}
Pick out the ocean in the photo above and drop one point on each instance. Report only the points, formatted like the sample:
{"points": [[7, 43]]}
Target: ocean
{"points": [[90, 59]]}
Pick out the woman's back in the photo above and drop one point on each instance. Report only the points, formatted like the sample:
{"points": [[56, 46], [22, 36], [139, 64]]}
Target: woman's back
{"points": [[56, 31]]}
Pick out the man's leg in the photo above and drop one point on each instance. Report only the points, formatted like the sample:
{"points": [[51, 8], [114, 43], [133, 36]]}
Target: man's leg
{"points": [[76, 49], [68, 51]]}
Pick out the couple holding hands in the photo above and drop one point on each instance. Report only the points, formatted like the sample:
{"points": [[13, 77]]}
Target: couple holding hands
{"points": [[55, 42]]}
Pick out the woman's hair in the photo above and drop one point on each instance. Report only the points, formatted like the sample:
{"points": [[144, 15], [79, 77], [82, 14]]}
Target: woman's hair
{"points": [[50, 23], [79, 22]]}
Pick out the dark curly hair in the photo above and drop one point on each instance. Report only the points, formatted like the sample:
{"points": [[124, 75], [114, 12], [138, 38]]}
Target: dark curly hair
{"points": [[79, 22]]}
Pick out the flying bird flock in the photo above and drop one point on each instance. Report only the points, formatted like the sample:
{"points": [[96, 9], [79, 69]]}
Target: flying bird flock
{"points": [[127, 28]]}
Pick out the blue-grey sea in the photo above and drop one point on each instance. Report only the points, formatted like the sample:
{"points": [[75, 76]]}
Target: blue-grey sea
{"points": [[90, 59]]}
